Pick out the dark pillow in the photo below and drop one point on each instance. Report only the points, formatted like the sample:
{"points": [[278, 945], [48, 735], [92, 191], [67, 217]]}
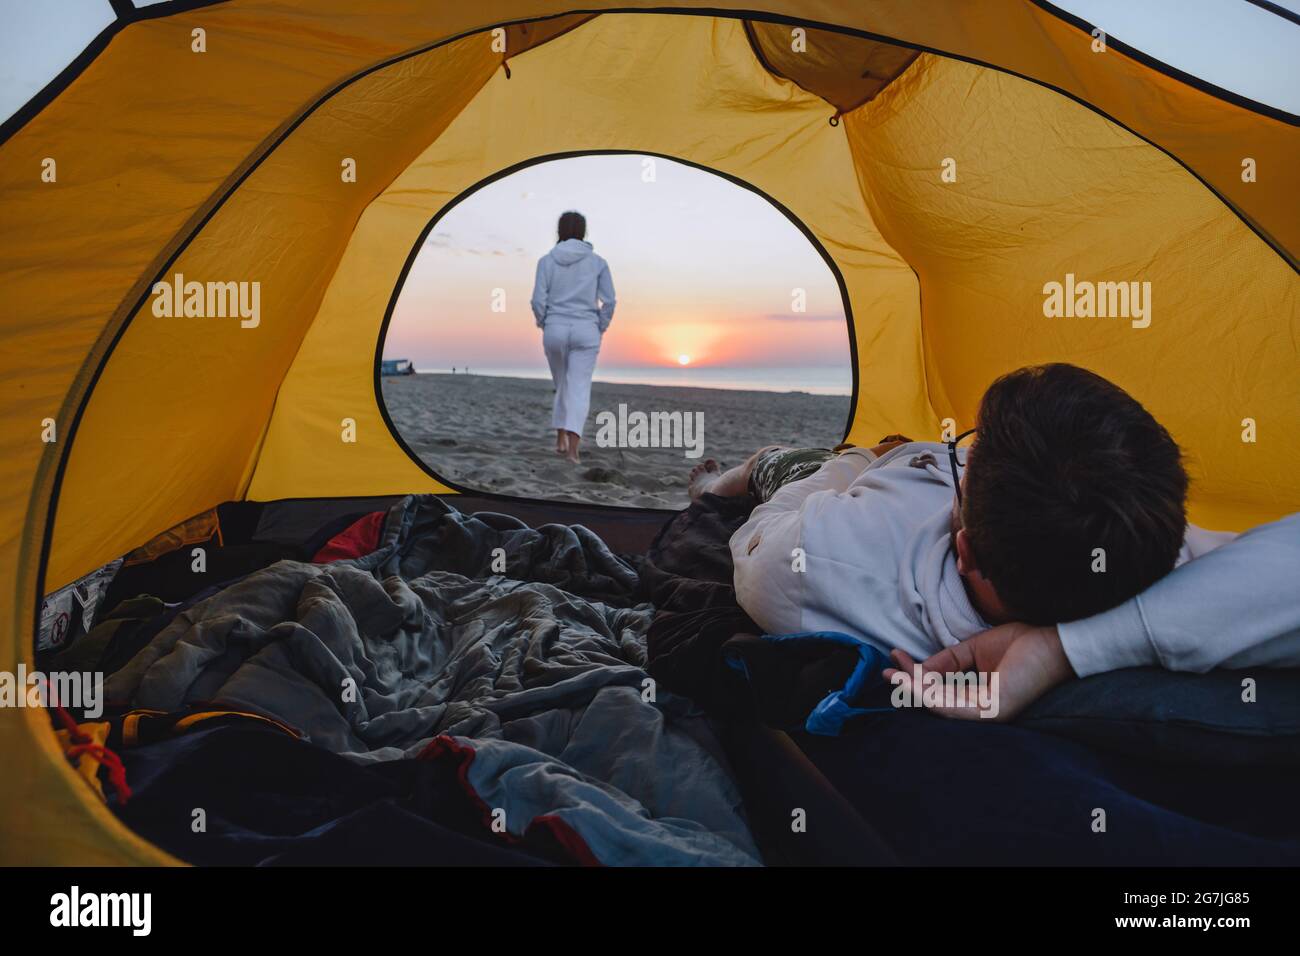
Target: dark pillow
{"points": [[1186, 718]]}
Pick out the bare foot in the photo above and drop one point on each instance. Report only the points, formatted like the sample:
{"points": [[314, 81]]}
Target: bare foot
{"points": [[703, 476]]}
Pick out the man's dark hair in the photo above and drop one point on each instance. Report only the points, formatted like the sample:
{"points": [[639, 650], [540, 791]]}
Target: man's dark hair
{"points": [[573, 225], [1065, 462]]}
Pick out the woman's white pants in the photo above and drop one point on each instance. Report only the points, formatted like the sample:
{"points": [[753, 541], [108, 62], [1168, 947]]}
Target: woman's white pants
{"points": [[571, 350]]}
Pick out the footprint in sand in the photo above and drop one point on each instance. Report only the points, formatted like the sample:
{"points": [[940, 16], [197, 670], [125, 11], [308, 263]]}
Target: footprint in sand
{"points": [[606, 476]]}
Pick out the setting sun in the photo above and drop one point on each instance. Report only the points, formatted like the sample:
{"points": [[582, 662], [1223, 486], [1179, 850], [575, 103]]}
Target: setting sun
{"points": [[683, 360]]}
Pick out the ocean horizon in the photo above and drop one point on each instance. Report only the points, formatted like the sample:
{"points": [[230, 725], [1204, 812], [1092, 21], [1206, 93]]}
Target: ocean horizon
{"points": [[815, 380]]}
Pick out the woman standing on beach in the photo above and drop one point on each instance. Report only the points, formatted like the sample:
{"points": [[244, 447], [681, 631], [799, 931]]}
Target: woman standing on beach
{"points": [[573, 302]]}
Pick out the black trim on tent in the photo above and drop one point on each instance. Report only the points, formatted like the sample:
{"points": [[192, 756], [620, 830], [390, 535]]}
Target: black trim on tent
{"points": [[46, 95], [157, 10], [766, 64], [1285, 117], [38, 102], [268, 147], [1277, 9], [74, 69], [551, 157], [1236, 99], [27, 112], [758, 51]]}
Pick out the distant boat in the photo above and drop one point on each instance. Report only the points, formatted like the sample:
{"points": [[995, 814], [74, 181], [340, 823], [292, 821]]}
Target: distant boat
{"points": [[396, 367]]}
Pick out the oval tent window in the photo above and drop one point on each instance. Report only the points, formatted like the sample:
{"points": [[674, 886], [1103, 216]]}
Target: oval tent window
{"points": [[689, 313]]}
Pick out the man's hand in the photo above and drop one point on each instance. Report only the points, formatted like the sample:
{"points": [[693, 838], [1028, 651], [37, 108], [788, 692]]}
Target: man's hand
{"points": [[1028, 660]]}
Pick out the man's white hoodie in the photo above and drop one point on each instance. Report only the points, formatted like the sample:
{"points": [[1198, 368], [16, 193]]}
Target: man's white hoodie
{"points": [[864, 546]]}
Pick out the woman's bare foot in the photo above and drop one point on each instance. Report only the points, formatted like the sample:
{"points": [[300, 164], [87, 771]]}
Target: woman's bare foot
{"points": [[571, 452], [702, 478], [561, 446]]}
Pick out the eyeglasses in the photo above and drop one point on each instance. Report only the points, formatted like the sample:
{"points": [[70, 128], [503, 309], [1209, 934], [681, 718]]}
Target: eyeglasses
{"points": [[954, 463]]}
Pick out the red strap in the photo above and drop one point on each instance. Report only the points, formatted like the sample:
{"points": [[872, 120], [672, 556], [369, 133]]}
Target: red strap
{"points": [[81, 744]]}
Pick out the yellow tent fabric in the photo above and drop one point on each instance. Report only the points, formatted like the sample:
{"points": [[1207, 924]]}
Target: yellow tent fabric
{"points": [[985, 150]]}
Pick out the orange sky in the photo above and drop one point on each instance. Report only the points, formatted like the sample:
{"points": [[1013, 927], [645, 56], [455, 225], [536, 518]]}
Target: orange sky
{"points": [[702, 268]]}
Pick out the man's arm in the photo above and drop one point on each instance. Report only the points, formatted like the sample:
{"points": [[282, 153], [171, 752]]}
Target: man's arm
{"points": [[1027, 660], [763, 548], [836, 474], [1235, 606]]}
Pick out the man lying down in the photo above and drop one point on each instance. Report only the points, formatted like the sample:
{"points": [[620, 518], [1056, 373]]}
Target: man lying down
{"points": [[1049, 542]]}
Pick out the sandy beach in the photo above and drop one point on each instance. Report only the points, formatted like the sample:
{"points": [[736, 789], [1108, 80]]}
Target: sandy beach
{"points": [[493, 434]]}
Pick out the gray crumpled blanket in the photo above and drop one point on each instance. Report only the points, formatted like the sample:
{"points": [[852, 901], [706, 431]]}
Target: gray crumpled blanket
{"points": [[539, 671]]}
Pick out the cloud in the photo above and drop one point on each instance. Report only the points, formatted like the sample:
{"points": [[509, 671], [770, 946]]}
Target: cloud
{"points": [[445, 240]]}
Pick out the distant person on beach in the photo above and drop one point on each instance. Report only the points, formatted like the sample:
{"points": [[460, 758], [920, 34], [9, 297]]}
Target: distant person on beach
{"points": [[573, 303], [1040, 551]]}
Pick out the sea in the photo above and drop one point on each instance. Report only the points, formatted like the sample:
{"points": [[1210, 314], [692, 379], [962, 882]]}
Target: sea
{"points": [[815, 380]]}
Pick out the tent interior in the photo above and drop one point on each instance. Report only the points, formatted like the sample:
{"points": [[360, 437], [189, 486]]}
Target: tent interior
{"points": [[949, 158]]}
